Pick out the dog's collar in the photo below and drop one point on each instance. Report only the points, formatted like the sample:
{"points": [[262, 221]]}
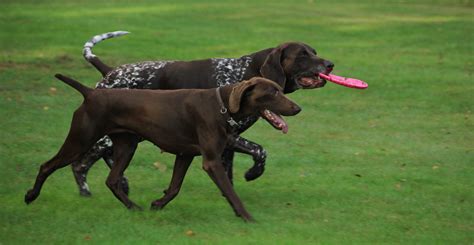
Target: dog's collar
{"points": [[224, 110]]}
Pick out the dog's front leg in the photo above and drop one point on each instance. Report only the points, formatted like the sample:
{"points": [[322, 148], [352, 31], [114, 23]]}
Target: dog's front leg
{"points": [[258, 154], [215, 170], [228, 162], [181, 166]]}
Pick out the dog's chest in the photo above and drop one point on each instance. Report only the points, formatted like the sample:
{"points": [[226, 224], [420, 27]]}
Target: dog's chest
{"points": [[230, 71], [133, 76]]}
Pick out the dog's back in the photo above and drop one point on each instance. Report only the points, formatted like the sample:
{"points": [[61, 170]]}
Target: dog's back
{"points": [[168, 118]]}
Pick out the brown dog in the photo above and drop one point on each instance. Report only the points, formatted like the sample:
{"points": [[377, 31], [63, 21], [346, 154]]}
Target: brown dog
{"points": [[186, 122]]}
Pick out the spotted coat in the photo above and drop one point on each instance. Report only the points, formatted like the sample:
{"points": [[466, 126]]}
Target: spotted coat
{"points": [[133, 76]]}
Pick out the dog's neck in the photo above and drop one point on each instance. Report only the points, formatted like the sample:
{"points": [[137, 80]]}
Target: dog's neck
{"points": [[258, 59], [225, 93]]}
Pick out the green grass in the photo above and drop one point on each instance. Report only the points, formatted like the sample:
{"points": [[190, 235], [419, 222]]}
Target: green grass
{"points": [[391, 164]]}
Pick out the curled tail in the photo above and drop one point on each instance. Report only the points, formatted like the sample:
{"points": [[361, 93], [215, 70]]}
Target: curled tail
{"points": [[75, 84], [92, 58]]}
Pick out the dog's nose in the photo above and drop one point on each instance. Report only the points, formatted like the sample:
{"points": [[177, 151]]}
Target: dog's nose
{"points": [[296, 109], [328, 64]]}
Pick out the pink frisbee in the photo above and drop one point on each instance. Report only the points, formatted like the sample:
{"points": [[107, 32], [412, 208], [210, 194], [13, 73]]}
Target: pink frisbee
{"points": [[345, 81]]}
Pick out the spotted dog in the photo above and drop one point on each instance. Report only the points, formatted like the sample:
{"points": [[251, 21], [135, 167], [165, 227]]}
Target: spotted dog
{"points": [[292, 65]]}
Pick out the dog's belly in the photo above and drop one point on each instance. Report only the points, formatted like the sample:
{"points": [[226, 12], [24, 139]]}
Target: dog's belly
{"points": [[173, 143], [177, 149], [178, 142]]}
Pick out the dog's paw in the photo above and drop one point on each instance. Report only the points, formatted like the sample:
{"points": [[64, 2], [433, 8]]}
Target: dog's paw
{"points": [[157, 205], [85, 193], [255, 172], [247, 218], [30, 196], [135, 207]]}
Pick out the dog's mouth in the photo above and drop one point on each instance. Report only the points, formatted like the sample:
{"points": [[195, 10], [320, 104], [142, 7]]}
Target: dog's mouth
{"points": [[312, 81], [275, 120]]}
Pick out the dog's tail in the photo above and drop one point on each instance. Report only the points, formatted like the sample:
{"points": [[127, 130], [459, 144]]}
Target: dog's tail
{"points": [[92, 58], [85, 91]]}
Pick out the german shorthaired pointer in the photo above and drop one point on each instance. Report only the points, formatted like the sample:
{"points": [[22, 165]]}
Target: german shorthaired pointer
{"points": [[185, 122], [292, 65]]}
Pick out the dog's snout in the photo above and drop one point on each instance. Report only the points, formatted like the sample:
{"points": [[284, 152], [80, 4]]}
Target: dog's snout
{"points": [[329, 65]]}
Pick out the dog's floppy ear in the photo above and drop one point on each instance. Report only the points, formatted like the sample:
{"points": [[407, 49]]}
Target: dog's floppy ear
{"points": [[238, 92], [272, 69]]}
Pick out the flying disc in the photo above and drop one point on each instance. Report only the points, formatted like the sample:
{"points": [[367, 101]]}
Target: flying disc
{"points": [[344, 81]]}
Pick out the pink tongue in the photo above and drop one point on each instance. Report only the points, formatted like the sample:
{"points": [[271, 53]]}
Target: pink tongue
{"points": [[348, 82], [280, 121], [276, 121]]}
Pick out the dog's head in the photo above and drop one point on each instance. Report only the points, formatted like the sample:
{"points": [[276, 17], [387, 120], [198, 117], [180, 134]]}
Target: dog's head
{"points": [[295, 65], [264, 97]]}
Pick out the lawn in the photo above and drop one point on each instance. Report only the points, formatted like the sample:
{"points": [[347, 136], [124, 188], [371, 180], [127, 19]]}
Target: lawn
{"points": [[391, 164]]}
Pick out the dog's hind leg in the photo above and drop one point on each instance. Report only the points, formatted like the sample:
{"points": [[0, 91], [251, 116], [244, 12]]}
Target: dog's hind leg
{"points": [[81, 167], [181, 166], [125, 145], [61, 159], [101, 149], [81, 137], [71, 151]]}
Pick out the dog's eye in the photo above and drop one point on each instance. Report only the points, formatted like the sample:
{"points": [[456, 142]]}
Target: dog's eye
{"points": [[304, 53], [276, 93]]}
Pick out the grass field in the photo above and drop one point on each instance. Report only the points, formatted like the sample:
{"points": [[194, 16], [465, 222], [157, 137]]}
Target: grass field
{"points": [[391, 164]]}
